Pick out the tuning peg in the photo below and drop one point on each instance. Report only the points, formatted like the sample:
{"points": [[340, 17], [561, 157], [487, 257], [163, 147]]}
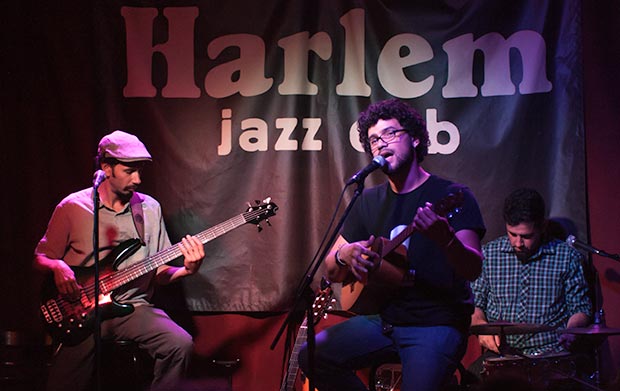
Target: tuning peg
{"points": [[258, 226]]}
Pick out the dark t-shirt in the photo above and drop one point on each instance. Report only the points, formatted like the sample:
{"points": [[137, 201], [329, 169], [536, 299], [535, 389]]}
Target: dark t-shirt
{"points": [[439, 296]]}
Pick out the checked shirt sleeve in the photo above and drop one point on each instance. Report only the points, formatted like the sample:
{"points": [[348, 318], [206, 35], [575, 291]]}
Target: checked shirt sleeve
{"points": [[576, 287]]}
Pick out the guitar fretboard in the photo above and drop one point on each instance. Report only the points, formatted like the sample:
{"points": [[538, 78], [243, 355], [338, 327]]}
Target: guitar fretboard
{"points": [[288, 384], [122, 277]]}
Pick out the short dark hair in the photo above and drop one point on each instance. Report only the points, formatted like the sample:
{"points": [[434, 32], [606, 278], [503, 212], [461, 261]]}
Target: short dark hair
{"points": [[99, 160], [406, 115], [524, 205]]}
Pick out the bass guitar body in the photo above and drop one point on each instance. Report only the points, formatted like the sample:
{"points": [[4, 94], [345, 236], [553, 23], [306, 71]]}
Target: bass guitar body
{"points": [[71, 320]]}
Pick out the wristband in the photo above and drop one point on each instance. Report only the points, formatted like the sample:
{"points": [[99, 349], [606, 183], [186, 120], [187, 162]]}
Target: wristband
{"points": [[339, 261]]}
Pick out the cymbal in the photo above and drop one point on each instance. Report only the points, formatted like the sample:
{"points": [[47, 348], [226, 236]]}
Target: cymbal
{"points": [[509, 328], [594, 329]]}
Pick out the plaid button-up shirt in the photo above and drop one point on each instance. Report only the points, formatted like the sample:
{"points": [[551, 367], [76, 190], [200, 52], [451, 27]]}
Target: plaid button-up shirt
{"points": [[546, 289]]}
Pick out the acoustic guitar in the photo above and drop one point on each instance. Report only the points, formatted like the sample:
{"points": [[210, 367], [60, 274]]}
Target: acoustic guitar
{"points": [[369, 297]]}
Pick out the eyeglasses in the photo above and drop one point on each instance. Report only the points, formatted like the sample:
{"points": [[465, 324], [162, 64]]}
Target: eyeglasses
{"points": [[386, 137]]}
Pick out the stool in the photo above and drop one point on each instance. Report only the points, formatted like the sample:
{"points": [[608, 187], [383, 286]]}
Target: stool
{"points": [[386, 375], [225, 369], [23, 361], [125, 366]]}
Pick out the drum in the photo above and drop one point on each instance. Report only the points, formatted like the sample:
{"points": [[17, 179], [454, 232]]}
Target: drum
{"points": [[496, 366], [541, 370]]}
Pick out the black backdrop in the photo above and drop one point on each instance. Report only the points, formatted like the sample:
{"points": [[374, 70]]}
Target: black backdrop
{"points": [[499, 84], [51, 118]]}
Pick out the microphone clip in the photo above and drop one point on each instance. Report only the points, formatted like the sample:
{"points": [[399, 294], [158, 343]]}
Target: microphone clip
{"points": [[98, 178]]}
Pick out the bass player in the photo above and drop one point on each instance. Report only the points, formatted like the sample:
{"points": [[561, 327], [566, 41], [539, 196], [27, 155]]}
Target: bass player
{"points": [[124, 214]]}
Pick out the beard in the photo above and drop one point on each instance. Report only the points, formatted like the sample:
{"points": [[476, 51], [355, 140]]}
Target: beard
{"points": [[398, 162], [523, 255], [125, 194]]}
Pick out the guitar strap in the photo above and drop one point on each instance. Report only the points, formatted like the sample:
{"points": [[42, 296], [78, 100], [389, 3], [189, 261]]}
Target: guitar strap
{"points": [[137, 214]]}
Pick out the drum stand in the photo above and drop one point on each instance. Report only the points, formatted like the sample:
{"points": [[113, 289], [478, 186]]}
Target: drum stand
{"points": [[578, 380], [531, 361], [599, 326]]}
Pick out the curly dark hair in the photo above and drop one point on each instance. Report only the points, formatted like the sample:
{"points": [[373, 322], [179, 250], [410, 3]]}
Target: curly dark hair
{"points": [[524, 206], [406, 115]]}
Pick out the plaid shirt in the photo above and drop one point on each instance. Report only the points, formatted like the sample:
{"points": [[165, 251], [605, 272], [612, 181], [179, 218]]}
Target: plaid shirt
{"points": [[546, 289]]}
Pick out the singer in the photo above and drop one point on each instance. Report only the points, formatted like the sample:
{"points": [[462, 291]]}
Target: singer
{"points": [[425, 319], [530, 277], [67, 243]]}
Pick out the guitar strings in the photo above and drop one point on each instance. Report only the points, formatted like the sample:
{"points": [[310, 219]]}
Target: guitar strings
{"points": [[112, 281]]}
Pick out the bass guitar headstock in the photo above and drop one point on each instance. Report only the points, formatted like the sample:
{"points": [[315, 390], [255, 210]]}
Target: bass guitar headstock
{"points": [[263, 210]]}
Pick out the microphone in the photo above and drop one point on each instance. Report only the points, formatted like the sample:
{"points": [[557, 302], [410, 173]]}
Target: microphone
{"points": [[98, 178], [377, 162], [572, 241]]}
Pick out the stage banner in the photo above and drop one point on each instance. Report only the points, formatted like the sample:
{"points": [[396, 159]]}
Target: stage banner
{"points": [[243, 100]]}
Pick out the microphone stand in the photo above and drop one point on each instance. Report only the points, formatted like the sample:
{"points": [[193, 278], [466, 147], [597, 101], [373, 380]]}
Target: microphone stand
{"points": [[305, 286], [599, 317], [597, 304], [615, 257], [97, 328], [574, 243]]}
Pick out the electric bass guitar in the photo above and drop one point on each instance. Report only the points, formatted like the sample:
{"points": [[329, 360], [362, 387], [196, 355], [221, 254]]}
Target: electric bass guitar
{"points": [[322, 304], [368, 297], [71, 321]]}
